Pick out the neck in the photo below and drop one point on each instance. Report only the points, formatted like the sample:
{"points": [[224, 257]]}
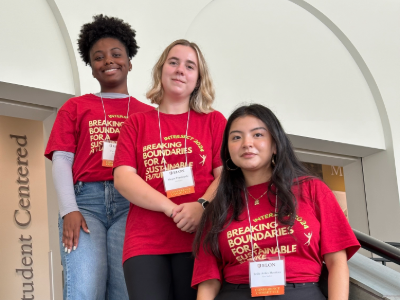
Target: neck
{"points": [[257, 177], [174, 106], [120, 89]]}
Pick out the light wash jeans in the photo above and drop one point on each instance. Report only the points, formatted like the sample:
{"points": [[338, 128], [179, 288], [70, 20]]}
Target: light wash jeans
{"points": [[94, 270]]}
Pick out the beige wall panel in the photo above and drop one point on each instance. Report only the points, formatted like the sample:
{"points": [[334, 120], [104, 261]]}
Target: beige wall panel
{"points": [[34, 232], [333, 177]]}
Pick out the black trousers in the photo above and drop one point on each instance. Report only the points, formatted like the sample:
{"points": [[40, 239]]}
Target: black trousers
{"points": [[293, 291], [160, 277]]}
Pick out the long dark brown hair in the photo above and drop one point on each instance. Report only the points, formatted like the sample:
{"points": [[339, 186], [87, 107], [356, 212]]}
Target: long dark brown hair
{"points": [[228, 199]]}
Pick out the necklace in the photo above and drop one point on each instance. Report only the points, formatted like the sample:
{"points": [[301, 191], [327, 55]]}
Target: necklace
{"points": [[257, 201]]}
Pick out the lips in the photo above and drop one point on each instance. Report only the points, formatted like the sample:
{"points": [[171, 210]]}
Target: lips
{"points": [[248, 155], [177, 80]]}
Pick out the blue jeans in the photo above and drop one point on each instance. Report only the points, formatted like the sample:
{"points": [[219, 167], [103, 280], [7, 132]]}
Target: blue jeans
{"points": [[94, 270]]}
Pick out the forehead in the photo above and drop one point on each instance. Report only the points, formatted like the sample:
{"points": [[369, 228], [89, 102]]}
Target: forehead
{"points": [[106, 44], [183, 53], [247, 123]]}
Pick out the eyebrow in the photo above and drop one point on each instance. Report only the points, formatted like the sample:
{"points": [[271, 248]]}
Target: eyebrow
{"points": [[257, 128], [189, 61], [111, 49]]}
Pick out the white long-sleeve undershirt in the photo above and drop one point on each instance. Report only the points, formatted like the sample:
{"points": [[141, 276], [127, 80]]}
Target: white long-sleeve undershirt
{"points": [[63, 181]]}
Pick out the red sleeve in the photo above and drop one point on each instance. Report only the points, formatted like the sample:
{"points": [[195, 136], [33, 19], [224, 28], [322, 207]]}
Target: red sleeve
{"points": [[206, 267], [64, 136], [125, 154], [336, 233], [217, 135]]}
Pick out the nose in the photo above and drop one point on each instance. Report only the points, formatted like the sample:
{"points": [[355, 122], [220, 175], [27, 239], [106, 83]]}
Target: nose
{"points": [[247, 141], [180, 69], [109, 59]]}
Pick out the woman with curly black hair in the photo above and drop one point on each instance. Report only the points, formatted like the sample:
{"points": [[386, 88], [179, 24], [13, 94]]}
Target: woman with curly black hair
{"points": [[81, 146]]}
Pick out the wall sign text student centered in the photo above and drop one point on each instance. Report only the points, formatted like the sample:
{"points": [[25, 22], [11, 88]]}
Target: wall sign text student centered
{"points": [[22, 216]]}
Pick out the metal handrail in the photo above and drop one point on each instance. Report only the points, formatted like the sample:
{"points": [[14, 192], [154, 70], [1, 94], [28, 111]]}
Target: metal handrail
{"points": [[378, 247]]}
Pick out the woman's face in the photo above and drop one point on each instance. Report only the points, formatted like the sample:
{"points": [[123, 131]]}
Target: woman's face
{"points": [[250, 144], [110, 63], [180, 72]]}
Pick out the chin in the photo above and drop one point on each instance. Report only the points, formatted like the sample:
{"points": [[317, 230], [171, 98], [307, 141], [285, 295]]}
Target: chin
{"points": [[250, 168]]}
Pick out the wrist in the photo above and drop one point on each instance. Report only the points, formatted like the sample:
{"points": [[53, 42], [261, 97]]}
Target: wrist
{"points": [[204, 203], [168, 208]]}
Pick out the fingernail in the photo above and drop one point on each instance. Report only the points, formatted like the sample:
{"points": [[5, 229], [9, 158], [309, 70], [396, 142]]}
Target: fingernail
{"points": [[69, 251], [65, 250], [88, 231], [74, 248], [63, 245]]}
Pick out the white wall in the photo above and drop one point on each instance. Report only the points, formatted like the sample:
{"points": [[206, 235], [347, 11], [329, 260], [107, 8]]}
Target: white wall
{"points": [[276, 53], [32, 51]]}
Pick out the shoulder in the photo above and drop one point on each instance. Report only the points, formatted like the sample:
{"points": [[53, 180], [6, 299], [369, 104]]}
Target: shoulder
{"points": [[72, 103], [141, 117], [213, 117], [314, 189], [140, 106], [217, 116]]}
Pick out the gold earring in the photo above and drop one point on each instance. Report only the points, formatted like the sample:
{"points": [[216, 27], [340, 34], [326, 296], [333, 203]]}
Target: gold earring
{"points": [[273, 160], [228, 166]]}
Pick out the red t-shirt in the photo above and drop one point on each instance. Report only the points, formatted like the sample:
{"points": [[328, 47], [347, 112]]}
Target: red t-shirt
{"points": [[320, 228], [80, 128], [149, 232]]}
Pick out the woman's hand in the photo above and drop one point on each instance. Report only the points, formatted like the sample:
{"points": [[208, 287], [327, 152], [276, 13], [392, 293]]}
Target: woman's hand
{"points": [[208, 289], [338, 278], [187, 216], [71, 229]]}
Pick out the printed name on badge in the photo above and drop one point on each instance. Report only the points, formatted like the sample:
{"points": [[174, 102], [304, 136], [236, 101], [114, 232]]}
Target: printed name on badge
{"points": [[108, 153], [267, 278], [178, 182]]}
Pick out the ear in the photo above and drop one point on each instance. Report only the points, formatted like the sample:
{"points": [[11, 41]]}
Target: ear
{"points": [[130, 66], [274, 148]]}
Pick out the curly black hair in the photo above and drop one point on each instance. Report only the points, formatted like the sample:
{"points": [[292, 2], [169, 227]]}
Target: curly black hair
{"points": [[106, 27]]}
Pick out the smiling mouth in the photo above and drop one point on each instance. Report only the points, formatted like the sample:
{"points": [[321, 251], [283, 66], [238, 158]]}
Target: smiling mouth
{"points": [[177, 80], [110, 70]]}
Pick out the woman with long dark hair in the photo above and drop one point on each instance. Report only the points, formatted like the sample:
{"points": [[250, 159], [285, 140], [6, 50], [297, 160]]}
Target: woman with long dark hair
{"points": [[271, 223]]}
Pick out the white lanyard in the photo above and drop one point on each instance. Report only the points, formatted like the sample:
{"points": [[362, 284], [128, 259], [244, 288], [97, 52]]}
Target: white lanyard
{"points": [[251, 227], [162, 147], [105, 116]]}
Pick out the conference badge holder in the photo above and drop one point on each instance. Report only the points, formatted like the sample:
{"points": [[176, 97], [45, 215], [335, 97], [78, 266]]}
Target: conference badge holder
{"points": [[108, 153], [178, 182], [267, 277], [109, 147]]}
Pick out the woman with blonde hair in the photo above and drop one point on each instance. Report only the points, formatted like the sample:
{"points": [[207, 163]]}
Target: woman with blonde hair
{"points": [[167, 165]]}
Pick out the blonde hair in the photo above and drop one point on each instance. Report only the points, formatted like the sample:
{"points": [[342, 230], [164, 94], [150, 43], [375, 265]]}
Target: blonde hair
{"points": [[203, 95]]}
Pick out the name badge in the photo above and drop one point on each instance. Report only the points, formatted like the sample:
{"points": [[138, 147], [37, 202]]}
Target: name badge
{"points": [[267, 277], [108, 153], [178, 182]]}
